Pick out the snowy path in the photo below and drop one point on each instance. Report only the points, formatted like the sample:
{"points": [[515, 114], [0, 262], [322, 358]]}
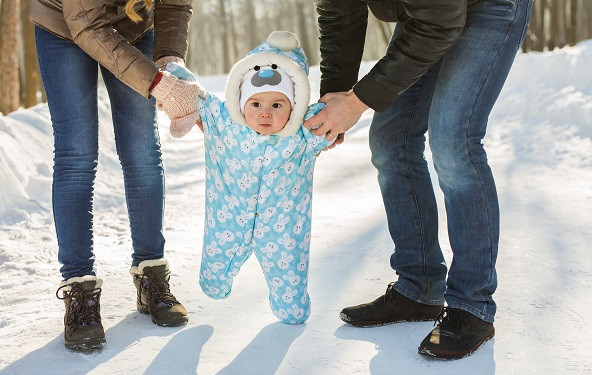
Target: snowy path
{"points": [[540, 147]]}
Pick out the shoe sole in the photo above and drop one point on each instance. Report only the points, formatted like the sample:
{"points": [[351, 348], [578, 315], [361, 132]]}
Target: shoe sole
{"points": [[86, 345], [444, 355], [160, 323], [365, 324], [176, 323]]}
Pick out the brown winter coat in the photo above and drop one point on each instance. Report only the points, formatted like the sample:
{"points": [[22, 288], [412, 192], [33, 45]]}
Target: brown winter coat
{"points": [[91, 25]]}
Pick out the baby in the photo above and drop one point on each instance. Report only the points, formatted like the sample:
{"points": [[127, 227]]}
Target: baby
{"points": [[259, 176]]}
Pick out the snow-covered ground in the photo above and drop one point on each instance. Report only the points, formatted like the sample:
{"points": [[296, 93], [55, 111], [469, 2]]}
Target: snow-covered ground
{"points": [[540, 148]]}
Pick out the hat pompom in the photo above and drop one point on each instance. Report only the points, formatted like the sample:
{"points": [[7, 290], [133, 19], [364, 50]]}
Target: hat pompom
{"points": [[283, 40]]}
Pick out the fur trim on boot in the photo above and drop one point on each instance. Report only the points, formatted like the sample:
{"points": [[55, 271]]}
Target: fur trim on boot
{"points": [[139, 269], [82, 320], [67, 284], [154, 297]]}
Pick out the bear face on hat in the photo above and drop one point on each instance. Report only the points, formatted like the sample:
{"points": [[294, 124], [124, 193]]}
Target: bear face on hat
{"points": [[266, 79]]}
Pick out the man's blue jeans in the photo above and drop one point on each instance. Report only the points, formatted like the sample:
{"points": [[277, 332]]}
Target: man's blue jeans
{"points": [[451, 102], [70, 80]]}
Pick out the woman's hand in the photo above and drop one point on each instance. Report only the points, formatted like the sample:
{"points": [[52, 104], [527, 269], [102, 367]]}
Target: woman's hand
{"points": [[177, 130], [178, 99]]}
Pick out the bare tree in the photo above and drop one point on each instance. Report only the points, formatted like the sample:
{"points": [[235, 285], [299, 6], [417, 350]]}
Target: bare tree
{"points": [[538, 25], [232, 30], [303, 26], [558, 24], [9, 56], [32, 77], [226, 59], [251, 19], [585, 9], [573, 23]]}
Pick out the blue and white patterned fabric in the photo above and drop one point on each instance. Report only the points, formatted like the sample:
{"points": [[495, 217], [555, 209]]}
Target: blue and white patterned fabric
{"points": [[258, 199]]}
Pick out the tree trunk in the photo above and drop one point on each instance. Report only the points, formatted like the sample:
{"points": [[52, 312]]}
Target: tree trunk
{"points": [[232, 33], [557, 25], [573, 22], [32, 80], [587, 19], [225, 42], [538, 19], [530, 41], [9, 56], [303, 33], [252, 39]]}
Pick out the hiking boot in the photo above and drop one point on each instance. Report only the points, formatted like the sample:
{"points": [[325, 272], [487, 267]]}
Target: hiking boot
{"points": [[458, 334], [392, 307], [151, 278], [82, 321]]}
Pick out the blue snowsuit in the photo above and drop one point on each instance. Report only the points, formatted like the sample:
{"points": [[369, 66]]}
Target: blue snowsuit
{"points": [[258, 199]]}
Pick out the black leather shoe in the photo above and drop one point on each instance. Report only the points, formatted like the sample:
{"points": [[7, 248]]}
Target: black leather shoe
{"points": [[390, 308], [458, 334]]}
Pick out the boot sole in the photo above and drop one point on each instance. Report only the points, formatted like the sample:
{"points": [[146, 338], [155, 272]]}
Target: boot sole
{"points": [[86, 345], [445, 355], [174, 323], [170, 324], [370, 324]]}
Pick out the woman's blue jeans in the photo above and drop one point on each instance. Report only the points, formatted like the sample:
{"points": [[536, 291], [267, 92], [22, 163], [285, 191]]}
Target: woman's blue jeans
{"points": [[451, 102], [70, 80]]}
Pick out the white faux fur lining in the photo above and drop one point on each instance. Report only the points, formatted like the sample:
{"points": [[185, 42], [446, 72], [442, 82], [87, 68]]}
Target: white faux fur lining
{"points": [[301, 87], [139, 270], [81, 279]]}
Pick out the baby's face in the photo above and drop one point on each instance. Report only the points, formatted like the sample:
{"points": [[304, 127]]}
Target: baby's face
{"points": [[267, 112]]}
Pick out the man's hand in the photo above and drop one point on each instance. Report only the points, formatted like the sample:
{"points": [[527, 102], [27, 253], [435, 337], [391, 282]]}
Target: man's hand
{"points": [[342, 111]]}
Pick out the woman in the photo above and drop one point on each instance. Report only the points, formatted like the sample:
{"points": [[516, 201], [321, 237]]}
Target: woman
{"points": [[74, 39]]}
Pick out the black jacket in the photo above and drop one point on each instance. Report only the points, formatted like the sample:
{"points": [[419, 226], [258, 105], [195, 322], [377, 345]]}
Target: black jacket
{"points": [[431, 28]]}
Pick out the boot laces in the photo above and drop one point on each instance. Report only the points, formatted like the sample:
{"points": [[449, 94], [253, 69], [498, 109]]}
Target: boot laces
{"points": [[83, 306], [387, 293], [458, 318], [158, 288]]}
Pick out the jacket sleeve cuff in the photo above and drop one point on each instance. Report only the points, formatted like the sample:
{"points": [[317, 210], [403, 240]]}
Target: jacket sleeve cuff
{"points": [[164, 53], [373, 94], [328, 86]]}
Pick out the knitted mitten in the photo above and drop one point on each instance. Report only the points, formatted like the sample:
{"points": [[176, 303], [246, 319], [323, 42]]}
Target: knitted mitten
{"points": [[178, 100], [162, 63]]}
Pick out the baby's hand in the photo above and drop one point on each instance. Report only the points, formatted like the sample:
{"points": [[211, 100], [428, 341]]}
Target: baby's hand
{"points": [[180, 72]]}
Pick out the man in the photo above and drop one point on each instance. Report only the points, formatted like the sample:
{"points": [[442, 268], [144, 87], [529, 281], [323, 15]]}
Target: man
{"points": [[442, 73]]}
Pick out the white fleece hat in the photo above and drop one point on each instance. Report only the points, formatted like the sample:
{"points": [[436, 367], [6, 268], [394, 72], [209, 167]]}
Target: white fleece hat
{"points": [[283, 50], [266, 79]]}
